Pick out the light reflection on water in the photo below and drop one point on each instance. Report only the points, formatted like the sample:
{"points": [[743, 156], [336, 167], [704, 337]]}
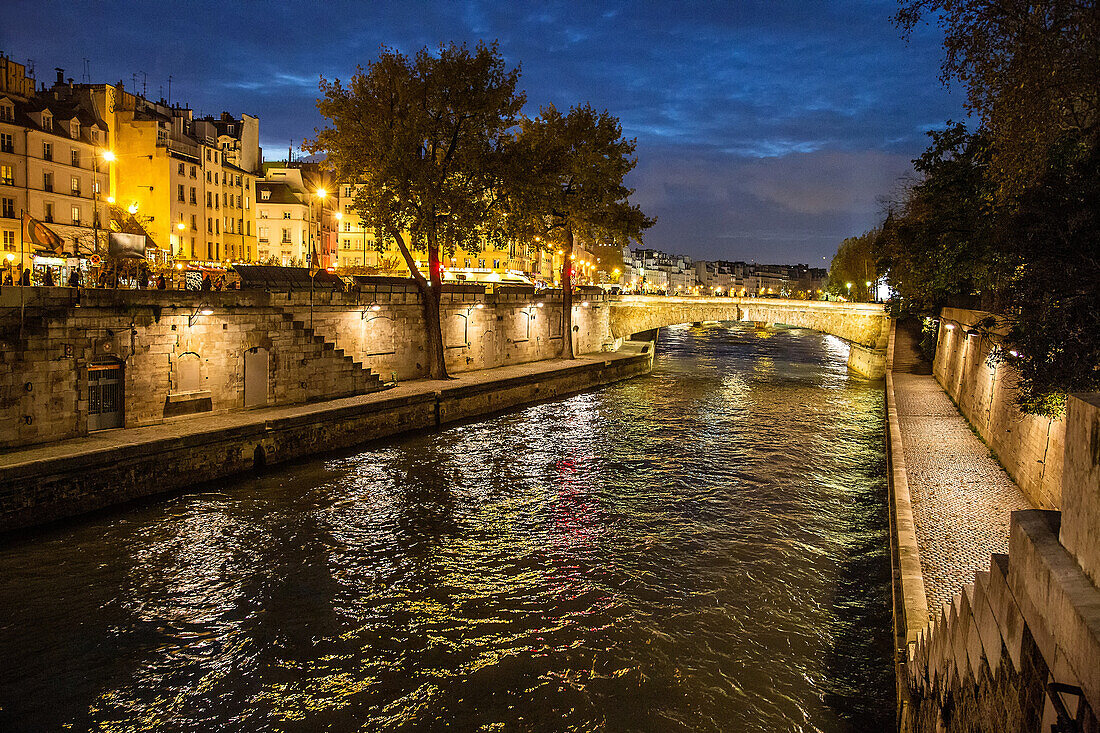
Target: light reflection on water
{"points": [[700, 549]]}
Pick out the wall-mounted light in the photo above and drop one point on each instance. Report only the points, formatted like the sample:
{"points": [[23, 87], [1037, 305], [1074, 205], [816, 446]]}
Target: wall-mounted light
{"points": [[949, 326], [194, 315], [973, 332]]}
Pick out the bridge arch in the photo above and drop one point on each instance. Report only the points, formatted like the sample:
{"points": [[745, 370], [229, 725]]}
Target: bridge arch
{"points": [[864, 326]]}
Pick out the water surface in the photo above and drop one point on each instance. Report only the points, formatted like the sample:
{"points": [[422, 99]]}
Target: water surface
{"points": [[701, 549]]}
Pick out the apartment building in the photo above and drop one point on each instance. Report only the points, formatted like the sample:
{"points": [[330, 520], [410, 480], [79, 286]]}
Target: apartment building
{"points": [[53, 150]]}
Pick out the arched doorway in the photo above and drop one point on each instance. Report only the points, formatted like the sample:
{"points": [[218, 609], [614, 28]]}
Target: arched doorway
{"points": [[106, 392]]}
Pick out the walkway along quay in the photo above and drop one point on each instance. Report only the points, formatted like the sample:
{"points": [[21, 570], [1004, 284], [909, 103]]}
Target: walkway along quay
{"points": [[43, 483], [996, 604]]}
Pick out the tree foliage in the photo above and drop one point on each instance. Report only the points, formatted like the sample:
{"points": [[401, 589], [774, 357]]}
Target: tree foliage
{"points": [[426, 137], [1054, 235], [1008, 216], [573, 167], [854, 263], [937, 244], [1030, 68]]}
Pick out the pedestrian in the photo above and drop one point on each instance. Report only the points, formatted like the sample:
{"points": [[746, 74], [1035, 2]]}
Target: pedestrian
{"points": [[26, 279], [161, 282], [206, 284], [74, 278], [47, 278], [219, 284], [7, 278]]}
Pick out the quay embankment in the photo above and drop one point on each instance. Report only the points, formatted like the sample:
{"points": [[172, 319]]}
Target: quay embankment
{"points": [[996, 605], [43, 483]]}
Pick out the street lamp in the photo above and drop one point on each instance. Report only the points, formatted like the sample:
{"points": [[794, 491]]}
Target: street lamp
{"points": [[849, 291]]}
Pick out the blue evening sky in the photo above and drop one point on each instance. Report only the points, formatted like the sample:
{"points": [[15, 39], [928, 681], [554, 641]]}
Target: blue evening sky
{"points": [[766, 131]]}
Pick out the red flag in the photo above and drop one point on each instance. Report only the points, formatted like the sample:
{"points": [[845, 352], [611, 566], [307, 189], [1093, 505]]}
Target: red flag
{"points": [[38, 233]]}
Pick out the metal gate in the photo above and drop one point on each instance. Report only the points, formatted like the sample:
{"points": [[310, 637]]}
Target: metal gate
{"points": [[105, 392]]}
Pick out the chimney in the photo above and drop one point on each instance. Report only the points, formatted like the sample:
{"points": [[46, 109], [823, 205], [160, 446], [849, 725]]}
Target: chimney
{"points": [[60, 75]]}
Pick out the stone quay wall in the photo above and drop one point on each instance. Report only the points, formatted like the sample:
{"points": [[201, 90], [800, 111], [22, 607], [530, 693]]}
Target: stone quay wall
{"points": [[1019, 649], [1029, 447], [185, 352], [47, 484]]}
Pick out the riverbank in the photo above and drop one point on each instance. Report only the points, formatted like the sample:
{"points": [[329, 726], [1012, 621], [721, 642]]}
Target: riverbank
{"points": [[44, 483]]}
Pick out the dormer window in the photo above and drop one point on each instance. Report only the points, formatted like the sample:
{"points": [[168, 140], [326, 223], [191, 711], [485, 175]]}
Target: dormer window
{"points": [[265, 195], [74, 129], [47, 121], [7, 111]]}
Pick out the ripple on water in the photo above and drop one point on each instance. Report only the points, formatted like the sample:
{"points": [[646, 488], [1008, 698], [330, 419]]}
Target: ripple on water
{"points": [[699, 549]]}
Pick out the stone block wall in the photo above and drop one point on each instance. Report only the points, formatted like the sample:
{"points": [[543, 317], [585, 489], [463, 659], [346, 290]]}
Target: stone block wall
{"points": [[178, 361], [1029, 447], [44, 365]]}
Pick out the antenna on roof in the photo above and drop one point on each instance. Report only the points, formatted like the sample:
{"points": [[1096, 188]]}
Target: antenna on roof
{"points": [[87, 77], [169, 89], [290, 152], [30, 68], [144, 80]]}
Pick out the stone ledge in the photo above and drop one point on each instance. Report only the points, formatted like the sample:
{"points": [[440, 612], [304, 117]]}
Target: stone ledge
{"points": [[1059, 603]]}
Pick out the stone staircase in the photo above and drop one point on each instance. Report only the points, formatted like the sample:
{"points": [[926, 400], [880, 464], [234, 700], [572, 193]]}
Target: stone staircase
{"points": [[335, 374]]}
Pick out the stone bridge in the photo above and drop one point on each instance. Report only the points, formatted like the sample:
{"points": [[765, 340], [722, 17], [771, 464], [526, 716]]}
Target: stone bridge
{"points": [[865, 326]]}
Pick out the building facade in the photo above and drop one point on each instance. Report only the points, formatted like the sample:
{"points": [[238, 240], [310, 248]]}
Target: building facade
{"points": [[53, 156]]}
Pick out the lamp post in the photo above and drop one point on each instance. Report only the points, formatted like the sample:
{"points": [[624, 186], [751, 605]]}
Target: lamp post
{"points": [[320, 193]]}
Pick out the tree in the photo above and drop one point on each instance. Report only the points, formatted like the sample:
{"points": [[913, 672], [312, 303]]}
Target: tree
{"points": [[1054, 336], [854, 264], [568, 183], [937, 244], [1030, 69], [426, 137]]}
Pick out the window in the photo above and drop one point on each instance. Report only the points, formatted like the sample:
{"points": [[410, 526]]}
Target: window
{"points": [[74, 129], [263, 214], [7, 143], [47, 150], [192, 171], [238, 178], [76, 215], [7, 175], [208, 175], [209, 203], [286, 214], [209, 225], [208, 158], [193, 199], [48, 212], [240, 226], [246, 206], [9, 240], [209, 247], [286, 235], [225, 199], [496, 264], [75, 185], [179, 192], [347, 192], [481, 263], [180, 168], [265, 195], [95, 136], [47, 181], [347, 226], [263, 233], [75, 157], [7, 112], [47, 121], [217, 227], [216, 201], [248, 228], [193, 226], [7, 208]]}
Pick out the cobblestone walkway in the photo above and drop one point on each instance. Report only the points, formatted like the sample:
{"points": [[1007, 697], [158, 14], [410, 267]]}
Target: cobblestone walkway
{"points": [[961, 496]]}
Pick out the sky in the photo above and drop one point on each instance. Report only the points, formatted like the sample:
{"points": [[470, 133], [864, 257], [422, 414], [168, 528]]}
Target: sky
{"points": [[766, 131]]}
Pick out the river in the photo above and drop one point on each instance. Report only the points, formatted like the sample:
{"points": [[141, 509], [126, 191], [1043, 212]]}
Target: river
{"points": [[700, 549]]}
